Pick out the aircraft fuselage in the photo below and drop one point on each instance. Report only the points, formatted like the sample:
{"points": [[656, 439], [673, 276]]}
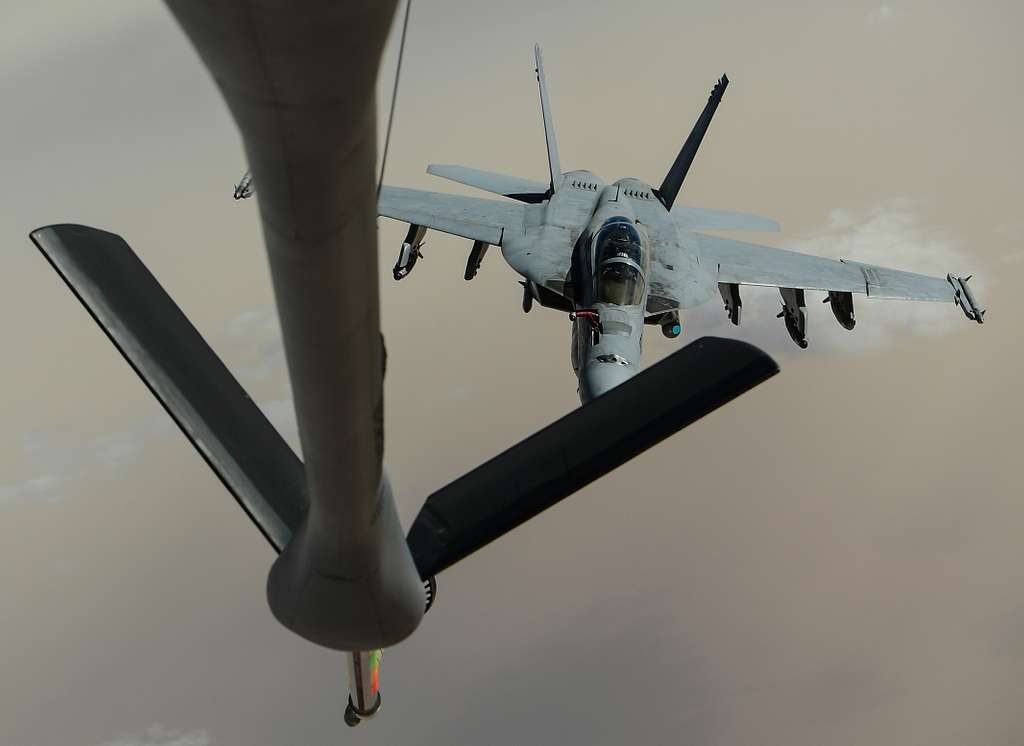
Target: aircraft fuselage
{"points": [[609, 283]]}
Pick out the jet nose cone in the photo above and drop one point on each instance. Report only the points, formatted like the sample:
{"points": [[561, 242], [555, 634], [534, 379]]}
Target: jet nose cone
{"points": [[599, 377]]}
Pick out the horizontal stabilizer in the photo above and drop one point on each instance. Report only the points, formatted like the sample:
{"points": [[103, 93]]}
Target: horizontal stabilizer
{"points": [[700, 219], [523, 190], [470, 217], [186, 376], [586, 444]]}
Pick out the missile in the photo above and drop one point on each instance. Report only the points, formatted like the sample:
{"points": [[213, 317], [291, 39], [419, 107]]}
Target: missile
{"points": [[964, 298]]}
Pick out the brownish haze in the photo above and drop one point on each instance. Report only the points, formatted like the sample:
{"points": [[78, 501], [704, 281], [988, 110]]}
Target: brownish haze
{"points": [[834, 558]]}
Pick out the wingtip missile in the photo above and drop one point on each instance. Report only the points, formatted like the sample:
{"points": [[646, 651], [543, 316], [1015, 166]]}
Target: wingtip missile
{"points": [[964, 298], [245, 187]]}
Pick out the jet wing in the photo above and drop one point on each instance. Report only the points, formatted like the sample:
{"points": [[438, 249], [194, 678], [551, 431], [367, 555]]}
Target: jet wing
{"points": [[750, 264], [470, 217]]}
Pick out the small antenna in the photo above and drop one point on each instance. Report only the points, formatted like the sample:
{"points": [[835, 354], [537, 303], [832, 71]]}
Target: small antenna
{"points": [[394, 99]]}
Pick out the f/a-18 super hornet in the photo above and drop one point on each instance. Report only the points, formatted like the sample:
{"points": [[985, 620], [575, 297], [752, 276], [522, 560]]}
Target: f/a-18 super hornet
{"points": [[300, 86], [621, 255], [244, 188]]}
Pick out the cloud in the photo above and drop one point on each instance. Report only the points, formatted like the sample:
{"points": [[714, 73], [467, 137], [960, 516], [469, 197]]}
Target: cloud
{"points": [[57, 458], [881, 14], [157, 735], [252, 340], [42, 487], [33, 33], [894, 234], [117, 449], [606, 661]]}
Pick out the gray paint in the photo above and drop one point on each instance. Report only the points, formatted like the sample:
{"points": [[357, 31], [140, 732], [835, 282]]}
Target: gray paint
{"points": [[550, 245], [307, 117]]}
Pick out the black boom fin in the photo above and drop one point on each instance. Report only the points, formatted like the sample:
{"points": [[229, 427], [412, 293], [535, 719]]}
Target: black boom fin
{"points": [[586, 444], [669, 188], [186, 376]]}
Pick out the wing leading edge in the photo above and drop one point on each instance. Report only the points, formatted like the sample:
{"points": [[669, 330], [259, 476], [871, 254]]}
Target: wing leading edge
{"points": [[743, 263]]}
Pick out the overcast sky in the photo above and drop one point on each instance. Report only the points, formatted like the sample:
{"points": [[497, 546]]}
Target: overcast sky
{"points": [[834, 558]]}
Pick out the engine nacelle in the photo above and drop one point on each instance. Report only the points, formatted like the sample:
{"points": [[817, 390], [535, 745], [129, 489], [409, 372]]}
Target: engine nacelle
{"points": [[842, 308]]}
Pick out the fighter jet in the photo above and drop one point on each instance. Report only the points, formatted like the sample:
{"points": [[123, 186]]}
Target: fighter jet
{"points": [[245, 187], [300, 86], [618, 256]]}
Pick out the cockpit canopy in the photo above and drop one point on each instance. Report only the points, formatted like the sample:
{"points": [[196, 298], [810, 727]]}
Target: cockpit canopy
{"points": [[618, 237], [619, 258], [620, 283]]}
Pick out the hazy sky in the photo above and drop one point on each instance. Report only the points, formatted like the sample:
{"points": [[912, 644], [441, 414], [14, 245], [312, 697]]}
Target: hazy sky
{"points": [[834, 558]]}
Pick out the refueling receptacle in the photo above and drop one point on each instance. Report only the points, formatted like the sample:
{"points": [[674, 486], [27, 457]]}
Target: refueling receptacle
{"points": [[594, 317]]}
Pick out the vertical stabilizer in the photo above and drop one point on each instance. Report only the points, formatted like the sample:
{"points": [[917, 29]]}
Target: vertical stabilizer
{"points": [[674, 178], [549, 127]]}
